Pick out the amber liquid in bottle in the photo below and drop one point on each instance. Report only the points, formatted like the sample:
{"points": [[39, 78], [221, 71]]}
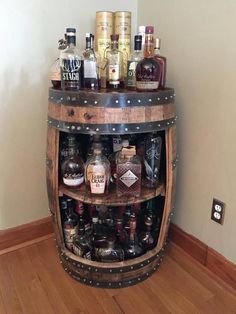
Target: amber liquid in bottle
{"points": [[148, 70]]}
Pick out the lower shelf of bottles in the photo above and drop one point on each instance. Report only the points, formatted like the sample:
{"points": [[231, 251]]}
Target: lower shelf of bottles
{"points": [[111, 199]]}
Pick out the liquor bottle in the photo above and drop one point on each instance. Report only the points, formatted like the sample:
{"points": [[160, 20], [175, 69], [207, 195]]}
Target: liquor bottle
{"points": [[109, 252], [84, 216], [55, 71], [73, 167], [126, 218], [151, 160], [141, 31], [81, 244], [90, 79], [148, 70], [70, 225], [133, 60], [121, 234], [146, 239], [64, 146], [113, 159], [128, 170], [70, 63], [162, 61], [97, 171], [115, 74], [132, 249]]}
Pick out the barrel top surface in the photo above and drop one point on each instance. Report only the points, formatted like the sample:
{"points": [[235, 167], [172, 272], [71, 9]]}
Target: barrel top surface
{"points": [[105, 98]]}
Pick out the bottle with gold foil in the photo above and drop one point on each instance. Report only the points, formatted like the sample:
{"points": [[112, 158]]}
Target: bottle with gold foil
{"points": [[128, 170], [115, 68], [97, 171]]}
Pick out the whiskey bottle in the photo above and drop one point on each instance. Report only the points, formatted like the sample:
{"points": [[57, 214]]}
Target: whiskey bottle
{"points": [[72, 168], [70, 225], [97, 171], [113, 159], [128, 170], [81, 244], [162, 61], [55, 71], [148, 70], [132, 249], [83, 215], [109, 252], [90, 79], [151, 160], [146, 239], [135, 57], [70, 63], [115, 75]]}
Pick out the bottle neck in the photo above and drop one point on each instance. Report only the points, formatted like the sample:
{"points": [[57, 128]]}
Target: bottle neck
{"points": [[114, 45], [157, 51], [71, 41], [149, 46]]}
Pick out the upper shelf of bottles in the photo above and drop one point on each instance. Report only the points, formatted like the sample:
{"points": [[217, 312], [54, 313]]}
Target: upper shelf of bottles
{"points": [[111, 199], [106, 112]]}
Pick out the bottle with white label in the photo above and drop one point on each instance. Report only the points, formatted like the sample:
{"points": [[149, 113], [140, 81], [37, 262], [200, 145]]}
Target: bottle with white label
{"points": [[90, 64], [128, 171], [115, 66], [72, 168], [97, 171]]}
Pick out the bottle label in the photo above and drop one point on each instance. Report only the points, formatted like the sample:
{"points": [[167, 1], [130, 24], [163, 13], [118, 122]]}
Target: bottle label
{"points": [[131, 72], [73, 180], [70, 69], [113, 74], [98, 180], [70, 234], [147, 84], [90, 70], [129, 178]]}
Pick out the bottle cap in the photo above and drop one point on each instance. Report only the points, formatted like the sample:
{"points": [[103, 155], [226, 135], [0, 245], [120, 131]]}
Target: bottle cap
{"points": [[114, 37], [138, 38], [158, 43], [141, 29], [149, 30], [148, 221], [125, 143], [129, 151], [71, 30], [95, 219]]}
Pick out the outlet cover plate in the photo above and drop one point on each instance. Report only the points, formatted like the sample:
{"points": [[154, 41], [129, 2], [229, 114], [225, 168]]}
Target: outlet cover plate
{"points": [[218, 211]]}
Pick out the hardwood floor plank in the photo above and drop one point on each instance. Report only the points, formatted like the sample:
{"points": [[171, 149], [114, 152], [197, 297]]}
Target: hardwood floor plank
{"points": [[2, 307], [10, 299]]}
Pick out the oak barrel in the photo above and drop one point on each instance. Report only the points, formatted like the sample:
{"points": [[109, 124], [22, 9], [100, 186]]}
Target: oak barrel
{"points": [[125, 112]]}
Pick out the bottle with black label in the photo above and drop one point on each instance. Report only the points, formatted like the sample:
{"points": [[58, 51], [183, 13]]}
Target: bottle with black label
{"points": [[70, 63], [135, 57], [90, 80], [151, 160]]}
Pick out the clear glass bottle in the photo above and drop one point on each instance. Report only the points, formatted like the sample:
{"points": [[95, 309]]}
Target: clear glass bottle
{"points": [[115, 71], [148, 70], [55, 71], [152, 159], [81, 244], [146, 239], [70, 63], [133, 60], [162, 61], [128, 170], [109, 252], [72, 168], [70, 225], [90, 64], [97, 171], [132, 249]]}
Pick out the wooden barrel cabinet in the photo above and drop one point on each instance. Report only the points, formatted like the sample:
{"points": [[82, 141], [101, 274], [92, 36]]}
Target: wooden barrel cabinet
{"points": [[111, 113]]}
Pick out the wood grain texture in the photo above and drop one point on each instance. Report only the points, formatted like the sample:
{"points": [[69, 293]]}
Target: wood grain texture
{"points": [[33, 281], [23, 233]]}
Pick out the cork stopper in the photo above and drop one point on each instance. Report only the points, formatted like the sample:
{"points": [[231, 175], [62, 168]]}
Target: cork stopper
{"points": [[129, 151]]}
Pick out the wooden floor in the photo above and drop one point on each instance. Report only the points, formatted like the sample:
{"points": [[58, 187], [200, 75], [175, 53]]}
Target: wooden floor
{"points": [[33, 281]]}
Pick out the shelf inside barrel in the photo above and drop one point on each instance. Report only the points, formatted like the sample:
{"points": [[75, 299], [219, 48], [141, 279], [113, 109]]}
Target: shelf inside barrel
{"points": [[111, 199]]}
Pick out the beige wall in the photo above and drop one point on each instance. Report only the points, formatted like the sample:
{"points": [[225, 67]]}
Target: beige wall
{"points": [[200, 44], [29, 34]]}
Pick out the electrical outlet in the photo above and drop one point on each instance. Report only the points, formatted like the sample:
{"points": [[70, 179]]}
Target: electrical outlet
{"points": [[218, 211]]}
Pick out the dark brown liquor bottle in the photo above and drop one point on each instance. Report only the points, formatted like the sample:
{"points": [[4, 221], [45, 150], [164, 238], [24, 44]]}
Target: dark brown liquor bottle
{"points": [[162, 61], [73, 167], [81, 244], [148, 70], [70, 225], [146, 239], [132, 249]]}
